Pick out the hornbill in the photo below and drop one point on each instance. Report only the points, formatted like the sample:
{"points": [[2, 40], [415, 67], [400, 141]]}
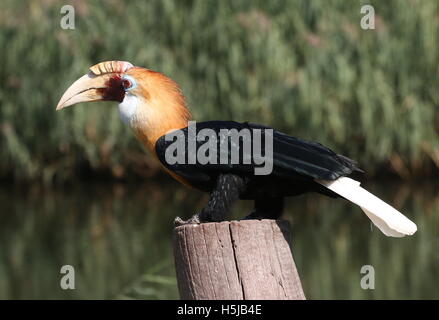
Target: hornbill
{"points": [[154, 107]]}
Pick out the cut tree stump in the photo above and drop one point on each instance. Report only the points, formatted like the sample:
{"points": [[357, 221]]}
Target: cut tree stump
{"points": [[236, 260]]}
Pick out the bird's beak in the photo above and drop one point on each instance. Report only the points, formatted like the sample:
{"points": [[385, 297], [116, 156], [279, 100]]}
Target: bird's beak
{"points": [[87, 88]]}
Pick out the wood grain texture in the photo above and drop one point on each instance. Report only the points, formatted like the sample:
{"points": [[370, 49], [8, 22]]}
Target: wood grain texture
{"points": [[237, 260]]}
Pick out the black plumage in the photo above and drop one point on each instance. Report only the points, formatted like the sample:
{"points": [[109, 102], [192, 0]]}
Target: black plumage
{"points": [[296, 163]]}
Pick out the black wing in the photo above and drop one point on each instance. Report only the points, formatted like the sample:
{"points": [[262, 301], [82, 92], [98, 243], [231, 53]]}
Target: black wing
{"points": [[293, 158]]}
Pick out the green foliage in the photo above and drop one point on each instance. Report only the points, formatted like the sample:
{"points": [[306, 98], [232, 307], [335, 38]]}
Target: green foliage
{"points": [[305, 67]]}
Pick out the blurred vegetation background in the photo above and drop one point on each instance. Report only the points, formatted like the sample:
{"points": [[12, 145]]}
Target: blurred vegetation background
{"points": [[304, 67]]}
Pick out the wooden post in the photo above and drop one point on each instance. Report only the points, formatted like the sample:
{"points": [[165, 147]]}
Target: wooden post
{"points": [[236, 260]]}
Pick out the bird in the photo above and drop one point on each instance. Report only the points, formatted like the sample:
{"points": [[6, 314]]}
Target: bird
{"points": [[154, 107]]}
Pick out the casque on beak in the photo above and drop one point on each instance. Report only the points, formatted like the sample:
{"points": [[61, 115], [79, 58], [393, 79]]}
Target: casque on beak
{"points": [[89, 87], [103, 82]]}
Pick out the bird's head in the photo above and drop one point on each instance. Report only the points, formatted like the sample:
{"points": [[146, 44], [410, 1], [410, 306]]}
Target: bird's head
{"points": [[151, 103]]}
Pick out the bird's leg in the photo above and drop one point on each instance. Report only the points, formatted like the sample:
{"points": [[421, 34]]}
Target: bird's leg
{"points": [[226, 192], [267, 208]]}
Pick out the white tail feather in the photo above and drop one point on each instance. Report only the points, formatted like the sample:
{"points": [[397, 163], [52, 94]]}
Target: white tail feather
{"points": [[389, 220]]}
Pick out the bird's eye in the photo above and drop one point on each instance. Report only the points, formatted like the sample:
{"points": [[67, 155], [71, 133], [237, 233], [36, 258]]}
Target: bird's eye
{"points": [[126, 84]]}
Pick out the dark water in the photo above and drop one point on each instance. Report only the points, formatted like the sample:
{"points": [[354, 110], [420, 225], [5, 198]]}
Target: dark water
{"points": [[118, 239]]}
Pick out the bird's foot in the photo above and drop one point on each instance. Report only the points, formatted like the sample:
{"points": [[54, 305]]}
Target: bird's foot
{"points": [[195, 219]]}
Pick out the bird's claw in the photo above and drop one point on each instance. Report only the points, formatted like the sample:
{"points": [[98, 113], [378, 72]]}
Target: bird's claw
{"points": [[195, 219]]}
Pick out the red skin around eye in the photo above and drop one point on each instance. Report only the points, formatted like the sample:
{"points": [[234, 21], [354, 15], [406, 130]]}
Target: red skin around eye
{"points": [[114, 90]]}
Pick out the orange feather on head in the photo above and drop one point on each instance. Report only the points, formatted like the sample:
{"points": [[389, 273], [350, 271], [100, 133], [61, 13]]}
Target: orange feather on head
{"points": [[161, 106], [161, 109]]}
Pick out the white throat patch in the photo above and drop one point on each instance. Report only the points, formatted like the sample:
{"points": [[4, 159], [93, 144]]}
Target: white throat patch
{"points": [[128, 108]]}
